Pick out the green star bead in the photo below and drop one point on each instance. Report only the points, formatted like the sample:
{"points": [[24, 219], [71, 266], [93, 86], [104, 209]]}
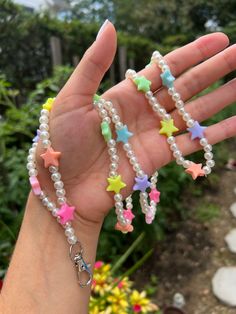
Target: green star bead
{"points": [[96, 97], [142, 84], [106, 131]]}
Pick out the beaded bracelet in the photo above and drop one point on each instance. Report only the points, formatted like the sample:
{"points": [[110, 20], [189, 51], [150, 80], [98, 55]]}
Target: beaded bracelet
{"points": [[168, 127], [108, 114], [65, 214]]}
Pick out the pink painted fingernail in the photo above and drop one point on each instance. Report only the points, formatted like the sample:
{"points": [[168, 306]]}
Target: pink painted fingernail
{"points": [[102, 28]]}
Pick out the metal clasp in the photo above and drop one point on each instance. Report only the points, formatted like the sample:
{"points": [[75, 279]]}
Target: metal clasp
{"points": [[80, 264]]}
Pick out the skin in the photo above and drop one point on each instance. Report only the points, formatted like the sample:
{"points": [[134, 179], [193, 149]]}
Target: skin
{"points": [[41, 277]]}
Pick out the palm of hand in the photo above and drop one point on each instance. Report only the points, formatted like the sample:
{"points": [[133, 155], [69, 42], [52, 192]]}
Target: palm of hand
{"points": [[84, 165]]}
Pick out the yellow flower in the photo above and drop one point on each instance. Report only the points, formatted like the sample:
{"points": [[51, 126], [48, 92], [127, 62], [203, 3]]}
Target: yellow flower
{"points": [[124, 284], [48, 104], [101, 278], [118, 300], [141, 304]]}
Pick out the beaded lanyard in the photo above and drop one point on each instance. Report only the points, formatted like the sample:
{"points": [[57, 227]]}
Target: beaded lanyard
{"points": [[167, 123], [108, 113], [64, 214]]}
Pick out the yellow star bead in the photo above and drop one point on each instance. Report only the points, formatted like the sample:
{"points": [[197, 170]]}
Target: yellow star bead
{"points": [[48, 104], [168, 127], [115, 184]]}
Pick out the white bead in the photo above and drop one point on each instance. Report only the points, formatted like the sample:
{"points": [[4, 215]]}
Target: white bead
{"points": [[108, 105], [208, 155], [61, 200], [33, 172], [115, 118], [45, 201], [42, 195], [186, 163], [114, 158], [156, 107], [186, 116], [44, 127], [119, 211], [118, 197], [54, 212], [58, 185], [98, 105], [72, 240], [107, 120], [119, 125], [210, 163], [133, 160], [140, 173], [127, 147], [161, 63], [179, 104], [161, 111], [30, 158], [166, 117], [152, 101], [51, 206], [112, 151], [60, 193], [112, 174], [181, 111], [144, 195], [43, 119], [44, 112], [44, 135], [136, 167], [113, 111], [148, 94], [130, 154], [32, 151], [69, 232], [30, 165], [180, 160], [129, 74], [153, 185], [34, 145], [171, 91], [177, 154], [170, 140], [56, 176], [122, 220], [113, 166], [207, 148], [203, 141], [190, 123], [206, 169], [103, 113], [156, 54], [67, 225], [46, 143], [111, 143], [53, 169], [119, 205], [173, 147], [176, 96]]}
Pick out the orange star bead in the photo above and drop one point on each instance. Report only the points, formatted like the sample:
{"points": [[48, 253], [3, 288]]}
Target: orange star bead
{"points": [[195, 170], [51, 157], [124, 229]]}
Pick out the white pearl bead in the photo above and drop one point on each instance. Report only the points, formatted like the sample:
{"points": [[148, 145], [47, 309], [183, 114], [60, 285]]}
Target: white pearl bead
{"points": [[33, 172], [210, 163], [113, 166], [186, 116], [56, 176], [44, 112], [32, 151], [43, 119], [72, 240], [46, 143], [44, 127], [53, 169], [177, 154], [133, 160], [130, 154], [180, 160], [112, 151], [54, 212], [173, 147], [148, 94], [176, 96], [179, 104], [45, 201], [113, 111], [170, 140], [44, 135], [140, 173], [136, 167], [119, 125], [122, 220], [30, 158], [129, 74], [127, 146], [207, 148], [114, 158], [108, 105], [103, 113], [69, 232], [111, 143], [161, 63], [51, 206], [119, 211], [98, 105], [118, 197], [67, 225], [208, 155], [58, 185], [153, 185], [115, 118], [167, 117], [152, 101], [35, 145], [203, 141], [107, 120], [144, 195], [42, 195], [119, 204], [190, 123], [156, 54], [206, 169], [30, 165], [156, 107], [60, 193], [171, 91], [112, 173], [181, 111], [61, 200], [161, 111], [186, 163]]}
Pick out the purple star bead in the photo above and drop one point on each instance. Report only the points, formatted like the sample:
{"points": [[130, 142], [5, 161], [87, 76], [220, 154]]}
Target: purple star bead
{"points": [[197, 131], [141, 183], [36, 138]]}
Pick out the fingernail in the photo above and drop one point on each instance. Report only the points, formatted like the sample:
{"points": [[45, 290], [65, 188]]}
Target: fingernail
{"points": [[102, 28]]}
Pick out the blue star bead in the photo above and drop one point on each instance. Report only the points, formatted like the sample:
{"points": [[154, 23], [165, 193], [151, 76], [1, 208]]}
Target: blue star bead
{"points": [[197, 131], [123, 134], [141, 184], [167, 79]]}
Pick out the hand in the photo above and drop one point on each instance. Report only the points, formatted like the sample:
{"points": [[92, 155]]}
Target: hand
{"points": [[75, 124]]}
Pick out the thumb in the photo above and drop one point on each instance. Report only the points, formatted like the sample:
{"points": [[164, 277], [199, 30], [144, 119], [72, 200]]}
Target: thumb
{"points": [[87, 76]]}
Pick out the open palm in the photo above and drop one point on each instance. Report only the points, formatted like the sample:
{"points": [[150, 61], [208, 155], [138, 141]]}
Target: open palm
{"points": [[75, 124]]}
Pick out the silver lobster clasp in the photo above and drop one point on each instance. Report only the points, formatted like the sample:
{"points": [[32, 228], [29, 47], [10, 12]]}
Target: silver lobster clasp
{"points": [[83, 268]]}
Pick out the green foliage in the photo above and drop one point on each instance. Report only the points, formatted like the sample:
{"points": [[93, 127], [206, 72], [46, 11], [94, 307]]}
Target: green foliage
{"points": [[207, 211]]}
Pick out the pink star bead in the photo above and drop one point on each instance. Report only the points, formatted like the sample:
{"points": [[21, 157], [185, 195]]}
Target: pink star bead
{"points": [[155, 195], [128, 214], [34, 182], [66, 213], [124, 229], [149, 218]]}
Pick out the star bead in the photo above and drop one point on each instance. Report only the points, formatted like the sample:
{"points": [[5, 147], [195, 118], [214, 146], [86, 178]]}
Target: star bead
{"points": [[36, 138], [48, 104], [128, 214], [142, 84], [124, 229], [141, 183], [66, 213], [167, 79], [195, 170], [96, 97], [149, 217], [123, 134], [197, 131], [168, 127], [155, 195], [115, 184], [34, 182], [51, 157], [106, 131]]}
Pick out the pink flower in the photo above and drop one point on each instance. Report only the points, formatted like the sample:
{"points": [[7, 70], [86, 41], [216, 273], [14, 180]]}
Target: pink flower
{"points": [[98, 264], [137, 308]]}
